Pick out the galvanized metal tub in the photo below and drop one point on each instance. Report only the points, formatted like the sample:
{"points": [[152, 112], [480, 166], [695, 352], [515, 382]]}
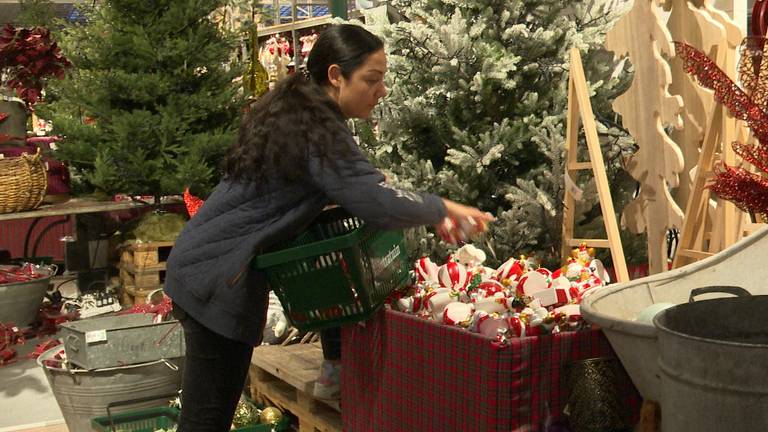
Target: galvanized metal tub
{"points": [[83, 395], [615, 307], [121, 340], [713, 355], [19, 302]]}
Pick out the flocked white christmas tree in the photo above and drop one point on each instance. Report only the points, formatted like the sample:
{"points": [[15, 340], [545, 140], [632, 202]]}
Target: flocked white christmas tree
{"points": [[478, 95]]}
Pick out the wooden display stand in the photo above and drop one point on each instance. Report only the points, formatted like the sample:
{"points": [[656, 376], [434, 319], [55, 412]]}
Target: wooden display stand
{"points": [[283, 376], [580, 110]]}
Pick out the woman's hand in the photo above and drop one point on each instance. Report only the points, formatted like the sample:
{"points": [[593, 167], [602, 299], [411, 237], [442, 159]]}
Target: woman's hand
{"points": [[462, 222], [460, 211]]}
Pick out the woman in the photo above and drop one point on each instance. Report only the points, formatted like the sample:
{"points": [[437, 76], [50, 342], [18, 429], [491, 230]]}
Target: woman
{"points": [[294, 156]]}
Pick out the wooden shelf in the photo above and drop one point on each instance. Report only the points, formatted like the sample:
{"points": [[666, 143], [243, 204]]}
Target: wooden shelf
{"points": [[298, 25], [79, 206]]}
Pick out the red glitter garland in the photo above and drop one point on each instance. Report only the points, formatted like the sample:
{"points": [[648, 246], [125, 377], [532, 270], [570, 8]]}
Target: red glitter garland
{"points": [[746, 190]]}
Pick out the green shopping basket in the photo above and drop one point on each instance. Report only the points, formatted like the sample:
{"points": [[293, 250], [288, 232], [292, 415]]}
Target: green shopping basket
{"points": [[338, 271], [143, 420]]}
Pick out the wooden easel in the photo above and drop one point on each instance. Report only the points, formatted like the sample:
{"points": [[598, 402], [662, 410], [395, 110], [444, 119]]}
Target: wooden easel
{"points": [[580, 109], [691, 245]]}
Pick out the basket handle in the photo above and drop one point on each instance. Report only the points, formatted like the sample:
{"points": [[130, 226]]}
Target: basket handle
{"points": [[727, 289], [131, 402]]}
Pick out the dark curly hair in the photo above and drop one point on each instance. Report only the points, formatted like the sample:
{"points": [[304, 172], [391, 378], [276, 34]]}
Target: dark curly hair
{"points": [[280, 129]]}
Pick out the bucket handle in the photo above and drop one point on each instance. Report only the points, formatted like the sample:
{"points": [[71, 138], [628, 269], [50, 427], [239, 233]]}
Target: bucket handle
{"points": [[134, 401], [727, 289], [72, 343]]}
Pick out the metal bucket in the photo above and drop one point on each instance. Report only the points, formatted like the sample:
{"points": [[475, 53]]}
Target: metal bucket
{"points": [[20, 302], [713, 355], [83, 395], [594, 395]]}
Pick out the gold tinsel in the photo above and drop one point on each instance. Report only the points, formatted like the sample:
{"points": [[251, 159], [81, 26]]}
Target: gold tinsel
{"points": [[246, 414]]}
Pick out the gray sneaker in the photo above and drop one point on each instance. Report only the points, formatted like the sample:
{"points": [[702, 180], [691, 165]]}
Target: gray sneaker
{"points": [[327, 384]]}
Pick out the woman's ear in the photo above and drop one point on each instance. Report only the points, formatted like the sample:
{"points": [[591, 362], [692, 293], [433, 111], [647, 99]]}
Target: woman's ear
{"points": [[334, 75]]}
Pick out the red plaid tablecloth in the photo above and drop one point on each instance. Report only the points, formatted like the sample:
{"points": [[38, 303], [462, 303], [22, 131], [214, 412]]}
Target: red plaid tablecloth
{"points": [[404, 373]]}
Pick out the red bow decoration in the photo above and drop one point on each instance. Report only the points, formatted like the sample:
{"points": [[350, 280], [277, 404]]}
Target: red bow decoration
{"points": [[192, 202]]}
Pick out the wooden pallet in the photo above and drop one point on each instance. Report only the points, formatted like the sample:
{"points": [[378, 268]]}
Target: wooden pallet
{"points": [[284, 376]]}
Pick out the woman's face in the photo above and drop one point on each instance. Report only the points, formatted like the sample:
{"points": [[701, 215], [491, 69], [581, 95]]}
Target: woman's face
{"points": [[359, 94]]}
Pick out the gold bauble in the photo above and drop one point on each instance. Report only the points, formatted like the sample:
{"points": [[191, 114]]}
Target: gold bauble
{"points": [[271, 415]]}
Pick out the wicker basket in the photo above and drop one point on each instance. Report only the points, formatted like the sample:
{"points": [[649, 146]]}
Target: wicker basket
{"points": [[23, 181]]}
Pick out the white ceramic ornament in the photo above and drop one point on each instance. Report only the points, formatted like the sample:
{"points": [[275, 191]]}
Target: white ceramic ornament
{"points": [[491, 304], [598, 269], [532, 282], [490, 325], [470, 256], [437, 302], [456, 313]]}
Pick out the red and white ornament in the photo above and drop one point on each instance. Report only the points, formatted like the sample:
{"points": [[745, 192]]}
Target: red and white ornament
{"points": [[457, 313], [511, 271], [426, 270], [489, 325], [453, 275], [490, 288], [532, 282]]}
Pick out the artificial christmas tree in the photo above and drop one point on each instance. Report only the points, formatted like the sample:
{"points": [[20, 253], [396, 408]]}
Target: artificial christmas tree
{"points": [[478, 94], [150, 107]]}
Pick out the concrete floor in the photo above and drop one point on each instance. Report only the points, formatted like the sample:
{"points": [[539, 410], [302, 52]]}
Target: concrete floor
{"points": [[25, 396]]}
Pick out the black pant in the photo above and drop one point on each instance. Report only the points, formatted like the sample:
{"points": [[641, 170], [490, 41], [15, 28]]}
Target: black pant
{"points": [[330, 339], [215, 368]]}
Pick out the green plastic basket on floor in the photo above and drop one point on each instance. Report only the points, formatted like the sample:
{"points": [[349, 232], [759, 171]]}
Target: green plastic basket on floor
{"points": [[338, 271], [153, 419], [146, 420]]}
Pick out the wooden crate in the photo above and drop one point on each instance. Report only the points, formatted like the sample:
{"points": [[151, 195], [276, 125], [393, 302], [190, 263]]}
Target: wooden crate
{"points": [[142, 265], [284, 376], [132, 295], [146, 256]]}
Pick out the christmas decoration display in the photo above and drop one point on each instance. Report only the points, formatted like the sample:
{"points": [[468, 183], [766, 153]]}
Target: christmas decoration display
{"points": [[152, 105], [478, 93], [275, 57], [307, 43], [27, 58], [749, 191], [21, 273], [517, 299]]}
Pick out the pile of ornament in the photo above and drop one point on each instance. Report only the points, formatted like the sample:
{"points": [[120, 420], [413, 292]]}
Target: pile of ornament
{"points": [[12, 274], [518, 299]]}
